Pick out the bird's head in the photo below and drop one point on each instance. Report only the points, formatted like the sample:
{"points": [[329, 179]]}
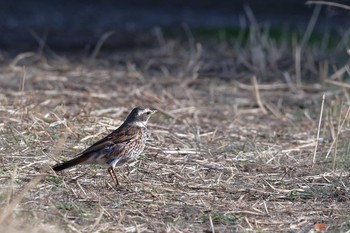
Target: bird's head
{"points": [[139, 116]]}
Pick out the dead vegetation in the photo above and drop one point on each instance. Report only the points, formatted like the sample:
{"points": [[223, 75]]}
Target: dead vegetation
{"points": [[233, 146]]}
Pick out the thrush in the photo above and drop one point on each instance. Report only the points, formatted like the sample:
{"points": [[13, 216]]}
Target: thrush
{"points": [[123, 145]]}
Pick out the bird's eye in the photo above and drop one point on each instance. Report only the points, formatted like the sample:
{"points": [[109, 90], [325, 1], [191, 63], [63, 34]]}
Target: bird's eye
{"points": [[148, 113]]}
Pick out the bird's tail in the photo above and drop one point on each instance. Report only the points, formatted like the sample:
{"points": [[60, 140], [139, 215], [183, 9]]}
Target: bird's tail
{"points": [[70, 163]]}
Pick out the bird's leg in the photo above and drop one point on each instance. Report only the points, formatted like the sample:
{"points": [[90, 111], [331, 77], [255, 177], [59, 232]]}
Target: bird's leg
{"points": [[113, 175]]}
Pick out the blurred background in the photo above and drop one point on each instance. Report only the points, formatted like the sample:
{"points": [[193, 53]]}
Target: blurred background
{"points": [[78, 25]]}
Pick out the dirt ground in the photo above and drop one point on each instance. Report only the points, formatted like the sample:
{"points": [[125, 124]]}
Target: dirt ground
{"points": [[232, 148]]}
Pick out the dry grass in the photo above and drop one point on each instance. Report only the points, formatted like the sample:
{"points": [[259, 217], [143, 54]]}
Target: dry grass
{"points": [[232, 149]]}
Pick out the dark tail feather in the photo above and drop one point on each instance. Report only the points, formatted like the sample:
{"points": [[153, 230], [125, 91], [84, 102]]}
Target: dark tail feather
{"points": [[70, 163]]}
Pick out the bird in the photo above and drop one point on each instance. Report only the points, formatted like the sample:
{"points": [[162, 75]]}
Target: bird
{"points": [[121, 146]]}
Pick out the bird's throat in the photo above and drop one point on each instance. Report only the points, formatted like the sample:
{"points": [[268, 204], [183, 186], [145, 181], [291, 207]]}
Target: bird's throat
{"points": [[141, 124]]}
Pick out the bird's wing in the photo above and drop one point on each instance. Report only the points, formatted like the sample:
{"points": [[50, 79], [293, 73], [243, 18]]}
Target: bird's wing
{"points": [[115, 139]]}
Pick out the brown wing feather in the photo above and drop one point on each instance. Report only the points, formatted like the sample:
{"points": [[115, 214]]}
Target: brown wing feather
{"points": [[114, 138]]}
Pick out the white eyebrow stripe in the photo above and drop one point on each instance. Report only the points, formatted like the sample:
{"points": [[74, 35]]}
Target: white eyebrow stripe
{"points": [[142, 112]]}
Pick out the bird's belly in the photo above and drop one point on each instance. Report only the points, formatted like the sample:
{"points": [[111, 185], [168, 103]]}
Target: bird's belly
{"points": [[129, 154]]}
